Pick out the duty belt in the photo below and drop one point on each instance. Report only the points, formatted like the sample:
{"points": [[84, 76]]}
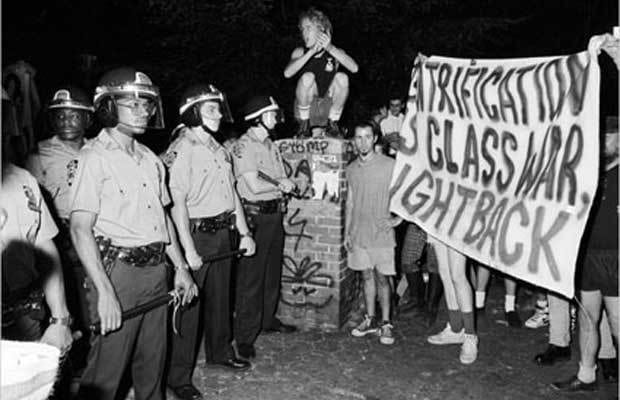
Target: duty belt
{"points": [[149, 255], [264, 206], [225, 220]]}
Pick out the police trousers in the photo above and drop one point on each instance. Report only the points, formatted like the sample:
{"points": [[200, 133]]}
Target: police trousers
{"points": [[211, 312], [140, 343], [258, 279]]}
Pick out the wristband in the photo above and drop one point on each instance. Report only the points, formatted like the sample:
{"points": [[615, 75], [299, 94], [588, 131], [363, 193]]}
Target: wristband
{"points": [[66, 321]]}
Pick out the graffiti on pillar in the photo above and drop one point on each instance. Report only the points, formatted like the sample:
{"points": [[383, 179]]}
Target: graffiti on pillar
{"points": [[317, 179], [301, 234], [305, 282], [302, 175]]}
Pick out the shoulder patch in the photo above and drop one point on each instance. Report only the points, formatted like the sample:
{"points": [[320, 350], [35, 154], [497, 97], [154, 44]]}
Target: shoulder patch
{"points": [[237, 149], [169, 158], [33, 203]]}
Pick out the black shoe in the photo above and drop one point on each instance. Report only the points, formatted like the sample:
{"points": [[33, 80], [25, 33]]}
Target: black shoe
{"points": [[609, 369], [246, 350], [233, 363], [512, 317], [333, 130], [186, 392], [553, 354], [280, 328], [574, 385], [303, 130]]}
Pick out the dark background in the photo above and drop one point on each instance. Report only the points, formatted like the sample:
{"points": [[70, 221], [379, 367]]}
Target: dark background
{"points": [[242, 46]]}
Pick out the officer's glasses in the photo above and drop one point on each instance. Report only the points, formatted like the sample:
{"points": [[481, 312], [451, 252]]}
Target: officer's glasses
{"points": [[138, 106]]}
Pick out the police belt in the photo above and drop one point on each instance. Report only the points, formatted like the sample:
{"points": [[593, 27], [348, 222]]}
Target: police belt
{"points": [[263, 206], [150, 255], [225, 220]]}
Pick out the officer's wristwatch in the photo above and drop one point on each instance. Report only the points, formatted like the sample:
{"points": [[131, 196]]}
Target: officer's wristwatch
{"points": [[66, 321]]}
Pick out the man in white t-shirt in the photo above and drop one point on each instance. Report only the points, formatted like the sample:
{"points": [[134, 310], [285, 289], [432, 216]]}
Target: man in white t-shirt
{"points": [[390, 125]]}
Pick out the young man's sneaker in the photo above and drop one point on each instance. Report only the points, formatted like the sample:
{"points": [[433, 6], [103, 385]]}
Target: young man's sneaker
{"points": [[469, 349], [386, 336], [368, 325], [447, 336], [539, 319]]}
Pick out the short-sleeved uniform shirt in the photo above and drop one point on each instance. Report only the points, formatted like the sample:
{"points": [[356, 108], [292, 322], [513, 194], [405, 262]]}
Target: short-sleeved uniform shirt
{"points": [[128, 193], [28, 220], [370, 183], [201, 171], [54, 167], [250, 154]]}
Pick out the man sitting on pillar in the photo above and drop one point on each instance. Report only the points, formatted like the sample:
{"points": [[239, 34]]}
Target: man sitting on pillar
{"points": [[318, 64]]}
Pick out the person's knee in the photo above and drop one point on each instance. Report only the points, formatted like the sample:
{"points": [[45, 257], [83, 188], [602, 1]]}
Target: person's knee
{"points": [[382, 280], [306, 80], [367, 274], [342, 80]]}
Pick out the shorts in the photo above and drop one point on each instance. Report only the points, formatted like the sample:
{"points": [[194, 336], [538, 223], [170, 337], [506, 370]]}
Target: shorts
{"points": [[600, 272], [381, 259]]}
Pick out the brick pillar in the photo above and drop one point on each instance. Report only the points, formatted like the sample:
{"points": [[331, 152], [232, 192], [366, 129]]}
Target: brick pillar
{"points": [[318, 290]]}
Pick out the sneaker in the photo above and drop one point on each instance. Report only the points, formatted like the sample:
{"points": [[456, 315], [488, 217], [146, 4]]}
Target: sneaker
{"points": [[512, 317], [539, 319], [368, 325], [303, 130], [447, 336], [386, 336], [469, 348], [333, 130]]}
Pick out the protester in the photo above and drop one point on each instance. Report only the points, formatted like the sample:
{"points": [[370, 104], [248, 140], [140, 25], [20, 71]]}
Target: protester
{"points": [[390, 125], [599, 277], [318, 62], [205, 209], [369, 233], [424, 295], [483, 274], [460, 328], [121, 232], [258, 277]]}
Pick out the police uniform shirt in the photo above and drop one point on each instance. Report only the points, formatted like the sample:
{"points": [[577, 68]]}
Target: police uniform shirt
{"points": [[128, 193], [250, 154], [28, 221], [54, 167], [201, 170]]}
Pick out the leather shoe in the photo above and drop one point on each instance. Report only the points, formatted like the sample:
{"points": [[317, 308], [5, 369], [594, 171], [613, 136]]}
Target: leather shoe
{"points": [[186, 392], [234, 363], [552, 354], [246, 350], [609, 369], [574, 385], [281, 328]]}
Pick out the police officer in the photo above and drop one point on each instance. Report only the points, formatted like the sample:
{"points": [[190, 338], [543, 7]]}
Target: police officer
{"points": [[70, 113], [206, 207], [120, 230], [258, 277]]}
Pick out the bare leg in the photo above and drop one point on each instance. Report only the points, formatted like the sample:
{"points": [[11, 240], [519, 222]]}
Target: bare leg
{"points": [[589, 339], [305, 92], [339, 91], [384, 290], [370, 291]]}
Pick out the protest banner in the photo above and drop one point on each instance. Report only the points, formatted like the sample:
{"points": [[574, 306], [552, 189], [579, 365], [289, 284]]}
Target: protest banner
{"points": [[500, 160]]}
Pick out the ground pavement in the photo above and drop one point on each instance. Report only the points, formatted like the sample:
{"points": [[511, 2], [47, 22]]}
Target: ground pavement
{"points": [[316, 365]]}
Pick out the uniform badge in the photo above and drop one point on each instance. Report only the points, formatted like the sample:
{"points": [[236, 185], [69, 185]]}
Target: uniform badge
{"points": [[237, 149], [33, 203], [71, 168], [169, 158]]}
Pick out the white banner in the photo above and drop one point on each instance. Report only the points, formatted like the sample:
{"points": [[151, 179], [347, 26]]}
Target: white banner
{"points": [[500, 160]]}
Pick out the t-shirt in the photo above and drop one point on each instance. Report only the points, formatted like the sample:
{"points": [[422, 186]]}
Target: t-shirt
{"points": [[369, 184]]}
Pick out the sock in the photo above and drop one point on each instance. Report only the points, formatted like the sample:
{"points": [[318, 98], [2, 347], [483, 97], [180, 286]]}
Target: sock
{"points": [[334, 115], [468, 322], [456, 320], [542, 303], [304, 112], [509, 303], [586, 374], [480, 299]]}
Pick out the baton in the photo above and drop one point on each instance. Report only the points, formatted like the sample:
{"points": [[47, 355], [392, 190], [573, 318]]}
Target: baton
{"points": [[140, 309], [295, 193], [221, 256]]}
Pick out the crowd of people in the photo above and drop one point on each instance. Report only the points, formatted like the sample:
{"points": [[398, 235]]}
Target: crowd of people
{"points": [[114, 226]]}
